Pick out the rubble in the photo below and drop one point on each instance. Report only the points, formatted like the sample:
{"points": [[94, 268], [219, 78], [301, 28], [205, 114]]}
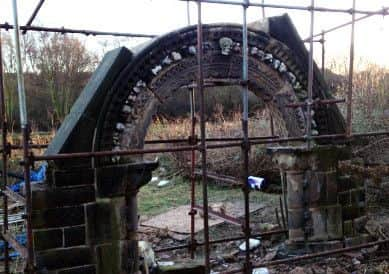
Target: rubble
{"points": [[253, 244]]}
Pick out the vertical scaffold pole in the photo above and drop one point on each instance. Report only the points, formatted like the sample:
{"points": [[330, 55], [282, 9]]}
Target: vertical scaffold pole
{"points": [[349, 129], [193, 141], [245, 144], [310, 78], [263, 10], [200, 86], [188, 12], [25, 131], [193, 212], [4, 134], [323, 55]]}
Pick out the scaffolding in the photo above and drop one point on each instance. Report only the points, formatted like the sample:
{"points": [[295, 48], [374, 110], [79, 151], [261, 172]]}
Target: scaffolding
{"points": [[194, 144]]}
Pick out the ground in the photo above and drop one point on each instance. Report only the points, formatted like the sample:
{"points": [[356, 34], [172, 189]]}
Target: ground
{"points": [[154, 200]]}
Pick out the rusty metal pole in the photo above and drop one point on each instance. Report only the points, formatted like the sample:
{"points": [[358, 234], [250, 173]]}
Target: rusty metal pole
{"points": [[310, 78], [193, 212], [323, 53], [383, 12], [202, 148], [263, 10], [351, 76], [245, 144], [25, 131], [271, 124], [192, 174], [188, 12], [34, 14], [64, 30], [4, 129]]}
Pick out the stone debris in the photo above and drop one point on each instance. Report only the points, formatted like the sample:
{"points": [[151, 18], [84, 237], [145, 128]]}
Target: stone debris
{"points": [[382, 268], [356, 261], [301, 270], [253, 244], [231, 257], [163, 183], [261, 270], [169, 263]]}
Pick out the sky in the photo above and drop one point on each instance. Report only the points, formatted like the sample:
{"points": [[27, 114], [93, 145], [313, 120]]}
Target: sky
{"points": [[161, 16]]}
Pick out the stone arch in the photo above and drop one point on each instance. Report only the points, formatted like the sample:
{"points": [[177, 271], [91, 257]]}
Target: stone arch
{"points": [[89, 209], [160, 68]]}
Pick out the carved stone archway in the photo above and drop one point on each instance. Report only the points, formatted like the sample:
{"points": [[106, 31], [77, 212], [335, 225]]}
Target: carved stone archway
{"points": [[86, 213]]}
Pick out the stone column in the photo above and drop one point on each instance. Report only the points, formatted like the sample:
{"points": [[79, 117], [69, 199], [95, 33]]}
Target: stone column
{"points": [[85, 219], [114, 217], [314, 214]]}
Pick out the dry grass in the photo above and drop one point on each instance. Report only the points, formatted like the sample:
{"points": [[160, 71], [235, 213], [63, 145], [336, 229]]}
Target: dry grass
{"points": [[225, 161], [370, 94]]}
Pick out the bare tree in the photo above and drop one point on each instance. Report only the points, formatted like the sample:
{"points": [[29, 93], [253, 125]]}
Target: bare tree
{"points": [[10, 86], [56, 68], [61, 61]]}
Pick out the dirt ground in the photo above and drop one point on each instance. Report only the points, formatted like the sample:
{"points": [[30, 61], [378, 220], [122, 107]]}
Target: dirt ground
{"points": [[227, 256]]}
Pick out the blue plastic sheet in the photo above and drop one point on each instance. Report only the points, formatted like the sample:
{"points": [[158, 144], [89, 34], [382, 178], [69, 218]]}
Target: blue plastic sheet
{"points": [[21, 239], [37, 176]]}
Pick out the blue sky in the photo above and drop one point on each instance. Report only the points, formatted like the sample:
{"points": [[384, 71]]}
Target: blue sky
{"points": [[161, 16]]}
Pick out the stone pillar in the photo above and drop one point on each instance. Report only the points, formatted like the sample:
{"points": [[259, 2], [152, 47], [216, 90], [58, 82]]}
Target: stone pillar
{"points": [[314, 213], [114, 216], [85, 219]]}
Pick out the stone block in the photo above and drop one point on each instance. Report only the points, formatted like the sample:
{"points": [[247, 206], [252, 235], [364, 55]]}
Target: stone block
{"points": [[85, 269], [344, 198], [317, 188], [319, 224], [348, 228], [331, 187], [295, 189], [348, 182], [187, 267], [113, 258], [111, 181], [296, 224], [63, 258], [115, 181], [73, 177], [74, 236], [295, 218], [351, 212], [357, 240], [48, 239], [106, 220], [334, 222], [357, 195], [61, 197], [58, 217]]}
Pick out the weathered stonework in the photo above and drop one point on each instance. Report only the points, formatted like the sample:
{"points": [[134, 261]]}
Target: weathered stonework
{"points": [[85, 218], [320, 205], [81, 227]]}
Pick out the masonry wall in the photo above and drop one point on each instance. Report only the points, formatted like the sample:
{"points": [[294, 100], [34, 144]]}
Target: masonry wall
{"points": [[80, 219], [352, 197]]}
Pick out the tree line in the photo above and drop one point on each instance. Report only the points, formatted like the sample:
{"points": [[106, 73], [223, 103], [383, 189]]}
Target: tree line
{"points": [[56, 68]]}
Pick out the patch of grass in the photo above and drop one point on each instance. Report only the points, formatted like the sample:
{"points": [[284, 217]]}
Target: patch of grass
{"points": [[153, 200]]}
